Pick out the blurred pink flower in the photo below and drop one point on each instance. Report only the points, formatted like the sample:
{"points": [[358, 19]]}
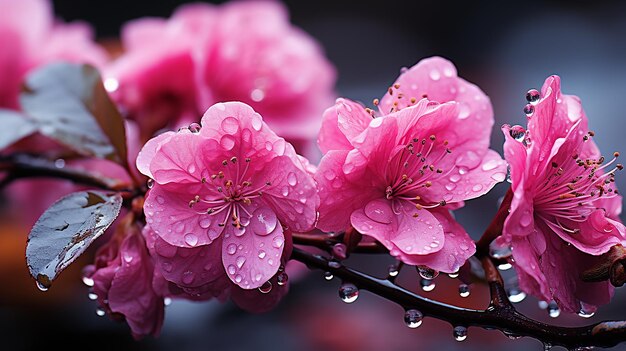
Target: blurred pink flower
{"points": [[565, 206], [395, 177], [30, 37], [244, 51], [122, 280], [224, 199]]}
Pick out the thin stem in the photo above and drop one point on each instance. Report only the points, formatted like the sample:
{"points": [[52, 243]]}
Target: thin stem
{"points": [[499, 299], [325, 242], [603, 334], [495, 227]]}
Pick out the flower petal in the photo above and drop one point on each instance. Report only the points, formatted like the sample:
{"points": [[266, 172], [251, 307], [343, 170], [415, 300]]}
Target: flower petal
{"points": [[339, 195], [169, 215], [251, 259], [131, 292], [292, 193], [185, 267], [149, 150], [393, 224]]}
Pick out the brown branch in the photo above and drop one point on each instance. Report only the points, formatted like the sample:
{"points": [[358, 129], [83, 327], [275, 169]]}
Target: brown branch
{"points": [[25, 166], [325, 241], [603, 334]]}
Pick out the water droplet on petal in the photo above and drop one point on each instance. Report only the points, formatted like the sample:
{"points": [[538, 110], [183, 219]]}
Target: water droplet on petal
{"points": [[491, 164], [231, 269], [188, 277], [529, 110], [92, 296], [240, 261], [464, 290], [278, 241], [460, 333], [291, 179], [413, 318], [434, 75], [427, 284], [427, 273], [348, 292], [262, 254], [542, 304], [194, 128], [227, 141], [100, 312], [266, 287], [230, 125], [191, 239], [464, 111], [453, 275], [518, 133], [533, 96], [167, 301], [150, 183]]}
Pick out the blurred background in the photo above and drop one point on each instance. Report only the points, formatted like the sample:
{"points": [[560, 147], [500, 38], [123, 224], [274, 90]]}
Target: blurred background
{"points": [[505, 48]]}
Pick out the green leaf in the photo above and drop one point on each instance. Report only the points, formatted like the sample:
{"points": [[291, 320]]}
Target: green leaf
{"points": [[71, 105], [66, 229], [14, 126]]}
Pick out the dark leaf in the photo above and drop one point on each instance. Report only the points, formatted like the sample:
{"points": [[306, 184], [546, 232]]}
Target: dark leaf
{"points": [[66, 229], [71, 105], [13, 127]]}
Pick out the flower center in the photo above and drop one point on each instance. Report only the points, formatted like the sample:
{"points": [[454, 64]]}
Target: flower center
{"points": [[414, 168], [228, 192], [572, 187]]}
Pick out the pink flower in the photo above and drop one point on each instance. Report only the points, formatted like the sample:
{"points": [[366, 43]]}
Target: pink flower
{"points": [[203, 54], [565, 206], [395, 177], [123, 281], [224, 201], [30, 37]]}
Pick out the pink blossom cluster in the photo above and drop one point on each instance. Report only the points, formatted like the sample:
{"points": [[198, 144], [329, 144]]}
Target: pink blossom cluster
{"points": [[173, 69], [227, 196]]}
